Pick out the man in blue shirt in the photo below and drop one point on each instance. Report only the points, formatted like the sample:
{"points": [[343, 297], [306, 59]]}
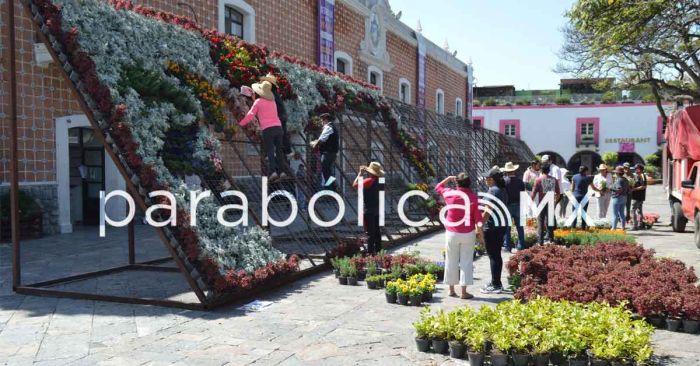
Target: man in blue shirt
{"points": [[579, 186]]}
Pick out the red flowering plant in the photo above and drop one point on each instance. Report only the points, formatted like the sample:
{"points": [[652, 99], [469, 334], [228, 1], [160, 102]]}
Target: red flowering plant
{"points": [[673, 304], [691, 304]]}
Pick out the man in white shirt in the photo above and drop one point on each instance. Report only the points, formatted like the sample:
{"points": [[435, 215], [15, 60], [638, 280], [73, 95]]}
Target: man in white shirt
{"points": [[602, 183], [554, 170], [329, 145]]}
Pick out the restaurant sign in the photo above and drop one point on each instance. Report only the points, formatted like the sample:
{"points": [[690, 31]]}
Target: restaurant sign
{"points": [[639, 140]]}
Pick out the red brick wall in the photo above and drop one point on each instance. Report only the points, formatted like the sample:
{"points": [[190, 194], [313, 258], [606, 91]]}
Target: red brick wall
{"points": [[349, 32], [404, 56], [453, 84], [287, 26]]}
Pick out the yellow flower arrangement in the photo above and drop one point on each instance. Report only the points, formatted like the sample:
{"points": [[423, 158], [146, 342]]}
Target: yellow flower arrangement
{"points": [[414, 285]]}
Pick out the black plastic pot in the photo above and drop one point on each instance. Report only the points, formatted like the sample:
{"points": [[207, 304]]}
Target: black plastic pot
{"points": [[390, 298], [520, 359], [673, 325], [423, 345], [475, 358], [439, 346], [499, 359], [691, 326], [343, 280], [427, 296], [541, 360], [372, 285], [656, 321], [457, 349], [416, 299], [578, 362], [361, 275], [599, 362], [557, 358], [352, 281], [403, 299]]}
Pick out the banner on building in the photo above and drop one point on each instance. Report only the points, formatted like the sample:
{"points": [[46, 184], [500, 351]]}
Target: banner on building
{"points": [[470, 92], [420, 97], [326, 33]]}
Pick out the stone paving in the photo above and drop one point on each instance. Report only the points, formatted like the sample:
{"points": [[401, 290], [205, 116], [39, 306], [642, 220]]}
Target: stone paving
{"points": [[311, 322]]}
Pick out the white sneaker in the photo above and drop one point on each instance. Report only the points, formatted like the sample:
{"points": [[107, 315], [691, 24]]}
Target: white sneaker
{"points": [[330, 181], [514, 250], [283, 175], [273, 176]]}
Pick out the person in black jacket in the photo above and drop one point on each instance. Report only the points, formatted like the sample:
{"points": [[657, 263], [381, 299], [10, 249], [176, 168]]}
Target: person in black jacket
{"points": [[281, 113], [370, 194], [328, 144]]}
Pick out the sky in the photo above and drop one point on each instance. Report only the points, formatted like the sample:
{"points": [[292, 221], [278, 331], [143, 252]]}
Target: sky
{"points": [[510, 42]]}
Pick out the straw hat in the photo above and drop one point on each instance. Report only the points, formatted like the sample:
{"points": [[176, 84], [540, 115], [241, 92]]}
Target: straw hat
{"points": [[264, 90], [271, 78], [626, 165], [510, 167], [375, 169], [545, 158], [602, 167]]}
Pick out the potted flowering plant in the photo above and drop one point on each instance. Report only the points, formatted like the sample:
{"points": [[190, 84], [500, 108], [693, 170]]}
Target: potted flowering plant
{"points": [[373, 281], [344, 270], [502, 341], [476, 341], [423, 327], [439, 332], [390, 292], [691, 313], [403, 291], [543, 345], [352, 273], [674, 311]]}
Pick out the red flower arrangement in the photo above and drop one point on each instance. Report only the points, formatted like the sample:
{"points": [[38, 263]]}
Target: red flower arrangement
{"points": [[613, 272]]}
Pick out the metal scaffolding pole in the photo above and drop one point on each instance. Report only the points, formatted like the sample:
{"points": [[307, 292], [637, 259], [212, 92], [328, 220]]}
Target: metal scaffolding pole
{"points": [[14, 171]]}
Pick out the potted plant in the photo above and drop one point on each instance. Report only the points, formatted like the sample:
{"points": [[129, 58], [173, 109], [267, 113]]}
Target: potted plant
{"points": [[542, 347], [501, 340], [439, 333], [344, 268], [336, 267], [373, 282], [371, 267], [457, 322], [352, 274], [476, 342], [415, 296], [574, 347], [423, 327], [434, 269], [603, 350], [691, 313], [674, 311], [390, 292], [521, 345]]}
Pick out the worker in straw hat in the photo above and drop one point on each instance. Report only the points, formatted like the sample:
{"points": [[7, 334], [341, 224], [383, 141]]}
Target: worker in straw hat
{"points": [[514, 185], [281, 112], [265, 109], [370, 201], [602, 182]]}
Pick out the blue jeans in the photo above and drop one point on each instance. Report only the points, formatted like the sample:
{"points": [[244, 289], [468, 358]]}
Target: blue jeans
{"points": [[514, 209], [619, 204]]}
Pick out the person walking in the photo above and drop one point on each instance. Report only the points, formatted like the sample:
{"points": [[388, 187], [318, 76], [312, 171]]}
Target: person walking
{"points": [[371, 188], [265, 109], [579, 187], [620, 191], [281, 112], [460, 237], [638, 195], [514, 186], [492, 232], [630, 178], [601, 185], [329, 145], [564, 186], [544, 185]]}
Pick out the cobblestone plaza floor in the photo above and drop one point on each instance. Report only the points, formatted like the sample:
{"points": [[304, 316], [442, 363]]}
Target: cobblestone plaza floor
{"points": [[313, 321]]}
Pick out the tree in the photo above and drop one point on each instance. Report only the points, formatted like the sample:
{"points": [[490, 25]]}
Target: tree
{"points": [[640, 42]]}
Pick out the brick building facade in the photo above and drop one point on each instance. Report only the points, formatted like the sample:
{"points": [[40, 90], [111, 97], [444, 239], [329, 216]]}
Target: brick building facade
{"points": [[47, 110]]}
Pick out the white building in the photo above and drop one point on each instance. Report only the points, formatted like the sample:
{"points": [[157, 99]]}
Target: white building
{"points": [[579, 134]]}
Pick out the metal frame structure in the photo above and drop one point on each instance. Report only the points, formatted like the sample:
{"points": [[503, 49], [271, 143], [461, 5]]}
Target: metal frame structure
{"points": [[452, 143]]}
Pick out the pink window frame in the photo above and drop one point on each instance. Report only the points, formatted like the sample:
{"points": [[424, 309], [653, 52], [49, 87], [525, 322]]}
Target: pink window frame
{"points": [[505, 122], [659, 130], [481, 120], [596, 128]]}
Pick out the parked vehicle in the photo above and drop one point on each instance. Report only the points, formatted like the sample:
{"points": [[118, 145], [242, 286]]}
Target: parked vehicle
{"points": [[681, 166]]}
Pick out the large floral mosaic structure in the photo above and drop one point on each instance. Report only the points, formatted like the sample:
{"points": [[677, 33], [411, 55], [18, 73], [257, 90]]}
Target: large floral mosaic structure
{"points": [[165, 94]]}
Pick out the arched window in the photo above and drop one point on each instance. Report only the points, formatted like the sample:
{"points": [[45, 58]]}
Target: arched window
{"points": [[236, 17], [440, 101], [458, 108], [343, 63], [375, 76], [405, 91]]}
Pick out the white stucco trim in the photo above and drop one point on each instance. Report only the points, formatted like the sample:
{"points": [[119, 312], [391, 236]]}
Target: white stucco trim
{"points": [[113, 179], [373, 69], [404, 81], [459, 107], [345, 57], [248, 17], [438, 107]]}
